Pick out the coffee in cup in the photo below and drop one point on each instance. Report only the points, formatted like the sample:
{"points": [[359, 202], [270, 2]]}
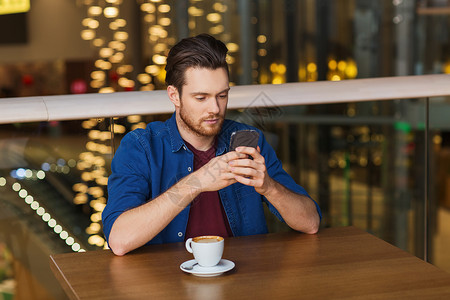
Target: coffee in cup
{"points": [[207, 249]]}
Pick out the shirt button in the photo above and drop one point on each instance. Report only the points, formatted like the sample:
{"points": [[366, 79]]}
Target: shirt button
{"points": [[189, 169], [184, 147], [180, 234]]}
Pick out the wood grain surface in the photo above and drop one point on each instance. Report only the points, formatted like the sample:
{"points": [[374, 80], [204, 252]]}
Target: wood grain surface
{"points": [[342, 262]]}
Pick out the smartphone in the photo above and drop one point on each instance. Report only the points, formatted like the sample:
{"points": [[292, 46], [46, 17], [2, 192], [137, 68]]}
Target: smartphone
{"points": [[247, 138]]}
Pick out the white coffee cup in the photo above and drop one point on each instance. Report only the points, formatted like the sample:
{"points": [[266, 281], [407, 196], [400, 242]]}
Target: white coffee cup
{"points": [[207, 249]]}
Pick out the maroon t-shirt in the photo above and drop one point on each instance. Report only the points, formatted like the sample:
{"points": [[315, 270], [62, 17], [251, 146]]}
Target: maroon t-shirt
{"points": [[206, 215]]}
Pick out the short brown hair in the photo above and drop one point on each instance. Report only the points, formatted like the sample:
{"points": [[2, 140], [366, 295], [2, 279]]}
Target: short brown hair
{"points": [[201, 51]]}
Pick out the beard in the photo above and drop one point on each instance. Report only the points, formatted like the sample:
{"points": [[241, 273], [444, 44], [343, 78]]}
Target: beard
{"points": [[198, 127]]}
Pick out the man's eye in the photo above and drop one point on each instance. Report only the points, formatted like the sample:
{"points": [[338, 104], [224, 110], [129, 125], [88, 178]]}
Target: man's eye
{"points": [[200, 98], [223, 96]]}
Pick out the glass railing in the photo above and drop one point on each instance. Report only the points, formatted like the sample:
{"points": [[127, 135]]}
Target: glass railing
{"points": [[365, 162]]}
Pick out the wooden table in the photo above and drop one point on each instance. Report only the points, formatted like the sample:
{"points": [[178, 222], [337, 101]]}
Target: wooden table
{"points": [[340, 262]]}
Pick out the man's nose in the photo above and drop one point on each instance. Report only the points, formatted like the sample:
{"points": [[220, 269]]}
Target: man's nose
{"points": [[213, 107]]}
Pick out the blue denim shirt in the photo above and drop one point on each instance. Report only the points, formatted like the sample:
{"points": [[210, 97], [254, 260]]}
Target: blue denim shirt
{"points": [[149, 161]]}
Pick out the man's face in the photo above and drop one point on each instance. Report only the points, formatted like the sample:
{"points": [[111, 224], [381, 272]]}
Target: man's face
{"points": [[204, 100]]}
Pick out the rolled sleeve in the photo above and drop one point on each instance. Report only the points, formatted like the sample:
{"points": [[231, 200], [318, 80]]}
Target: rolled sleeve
{"points": [[128, 186], [276, 171]]}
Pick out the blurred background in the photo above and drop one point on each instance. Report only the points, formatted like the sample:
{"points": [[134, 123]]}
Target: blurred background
{"points": [[363, 162]]}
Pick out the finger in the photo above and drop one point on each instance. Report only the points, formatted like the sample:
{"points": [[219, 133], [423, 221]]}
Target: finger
{"points": [[231, 181], [247, 181], [249, 163], [250, 151], [233, 155], [247, 172], [243, 163], [227, 176], [246, 150]]}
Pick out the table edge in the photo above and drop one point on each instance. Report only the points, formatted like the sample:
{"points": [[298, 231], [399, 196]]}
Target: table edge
{"points": [[70, 292]]}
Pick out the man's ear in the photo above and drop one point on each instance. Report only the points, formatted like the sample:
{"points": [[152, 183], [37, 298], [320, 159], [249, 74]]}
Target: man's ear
{"points": [[174, 96]]}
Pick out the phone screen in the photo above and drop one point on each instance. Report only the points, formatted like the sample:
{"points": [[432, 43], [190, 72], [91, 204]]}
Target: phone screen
{"points": [[247, 138]]}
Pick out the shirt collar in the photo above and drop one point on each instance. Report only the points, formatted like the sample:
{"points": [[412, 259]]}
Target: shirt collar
{"points": [[175, 138], [222, 140], [177, 142]]}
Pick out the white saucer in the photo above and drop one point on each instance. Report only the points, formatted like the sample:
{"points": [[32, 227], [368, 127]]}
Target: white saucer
{"points": [[223, 266]]}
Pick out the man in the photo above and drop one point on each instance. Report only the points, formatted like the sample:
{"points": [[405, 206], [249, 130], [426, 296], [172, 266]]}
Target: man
{"points": [[177, 179]]}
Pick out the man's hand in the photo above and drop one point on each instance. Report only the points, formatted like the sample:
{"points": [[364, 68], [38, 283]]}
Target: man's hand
{"points": [[297, 210], [252, 172], [217, 174], [137, 226]]}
